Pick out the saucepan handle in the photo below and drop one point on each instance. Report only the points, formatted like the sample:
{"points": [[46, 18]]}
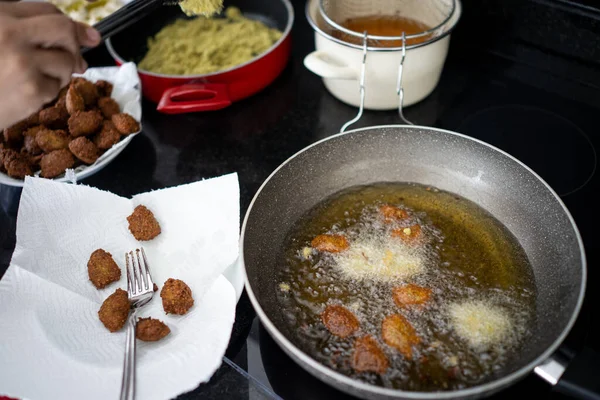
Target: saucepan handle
{"points": [[579, 378], [328, 66], [194, 98]]}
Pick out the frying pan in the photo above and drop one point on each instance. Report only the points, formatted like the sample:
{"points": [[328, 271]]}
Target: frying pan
{"points": [[193, 93], [494, 180]]}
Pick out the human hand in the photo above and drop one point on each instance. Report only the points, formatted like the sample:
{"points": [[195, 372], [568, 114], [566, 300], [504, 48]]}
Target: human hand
{"points": [[40, 50]]}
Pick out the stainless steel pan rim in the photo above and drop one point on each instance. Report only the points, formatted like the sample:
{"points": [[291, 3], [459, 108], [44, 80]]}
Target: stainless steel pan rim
{"points": [[475, 391]]}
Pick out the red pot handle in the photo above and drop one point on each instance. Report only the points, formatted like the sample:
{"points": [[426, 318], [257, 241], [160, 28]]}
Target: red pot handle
{"points": [[194, 97]]}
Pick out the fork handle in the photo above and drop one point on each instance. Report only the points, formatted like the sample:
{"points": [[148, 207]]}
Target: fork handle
{"points": [[128, 380]]}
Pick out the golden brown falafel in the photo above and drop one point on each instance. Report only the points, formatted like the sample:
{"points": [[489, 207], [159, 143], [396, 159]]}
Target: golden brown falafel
{"points": [[176, 297], [87, 90], [114, 310], [339, 320], [104, 88], [84, 150], [54, 117], [56, 162], [108, 136], [330, 243], [102, 269], [18, 167], [397, 332], [125, 123], [142, 224], [49, 140], [74, 101], [368, 356], [108, 106], [83, 123], [151, 330]]}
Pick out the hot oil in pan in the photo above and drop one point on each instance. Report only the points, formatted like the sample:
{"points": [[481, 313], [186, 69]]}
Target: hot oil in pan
{"points": [[464, 256]]}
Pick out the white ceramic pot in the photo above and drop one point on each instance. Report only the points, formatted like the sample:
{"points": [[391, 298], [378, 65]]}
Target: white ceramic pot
{"points": [[339, 64]]}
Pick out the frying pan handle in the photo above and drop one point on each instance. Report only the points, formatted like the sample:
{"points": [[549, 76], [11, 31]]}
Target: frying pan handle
{"points": [[194, 98], [581, 379], [328, 66]]}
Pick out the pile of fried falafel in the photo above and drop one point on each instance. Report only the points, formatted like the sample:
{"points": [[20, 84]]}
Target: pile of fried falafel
{"points": [[76, 128]]}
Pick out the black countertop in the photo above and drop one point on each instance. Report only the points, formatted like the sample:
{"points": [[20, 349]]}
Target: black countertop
{"points": [[254, 136]]}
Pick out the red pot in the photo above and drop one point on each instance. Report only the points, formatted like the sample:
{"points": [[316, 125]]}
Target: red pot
{"points": [[183, 94]]}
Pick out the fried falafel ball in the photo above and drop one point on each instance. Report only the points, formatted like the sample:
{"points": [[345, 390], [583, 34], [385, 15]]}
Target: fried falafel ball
{"points": [[114, 310], [7, 155], [87, 90], [368, 356], [108, 106], [55, 163], [13, 135], [34, 160], [31, 146], [18, 167], [142, 224], [125, 123], [83, 123], [176, 297], [108, 136], [49, 140], [151, 330], [339, 320], [74, 101], [54, 117], [102, 269], [84, 149], [104, 88]]}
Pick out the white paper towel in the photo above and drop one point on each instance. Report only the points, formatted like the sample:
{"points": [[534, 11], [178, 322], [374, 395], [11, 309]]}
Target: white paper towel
{"points": [[52, 344]]}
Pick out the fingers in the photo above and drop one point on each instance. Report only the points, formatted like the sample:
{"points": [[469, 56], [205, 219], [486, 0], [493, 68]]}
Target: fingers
{"points": [[29, 9], [56, 64], [86, 35], [40, 88], [52, 31]]}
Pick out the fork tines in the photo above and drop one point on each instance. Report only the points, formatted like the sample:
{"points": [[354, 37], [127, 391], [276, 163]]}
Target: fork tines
{"points": [[138, 273]]}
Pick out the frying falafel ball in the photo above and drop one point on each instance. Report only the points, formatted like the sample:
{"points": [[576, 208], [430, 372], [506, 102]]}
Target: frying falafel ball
{"points": [[142, 224], [176, 297], [339, 320], [125, 123], [55, 163], [108, 106], [368, 356], [83, 123], [84, 149], [49, 140], [151, 330], [102, 269], [114, 310], [74, 101], [87, 90]]}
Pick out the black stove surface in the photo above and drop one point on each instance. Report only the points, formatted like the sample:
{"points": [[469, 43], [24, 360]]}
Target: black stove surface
{"points": [[535, 99]]}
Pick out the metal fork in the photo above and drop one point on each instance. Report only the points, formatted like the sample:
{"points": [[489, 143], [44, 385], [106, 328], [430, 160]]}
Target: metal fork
{"points": [[140, 289]]}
